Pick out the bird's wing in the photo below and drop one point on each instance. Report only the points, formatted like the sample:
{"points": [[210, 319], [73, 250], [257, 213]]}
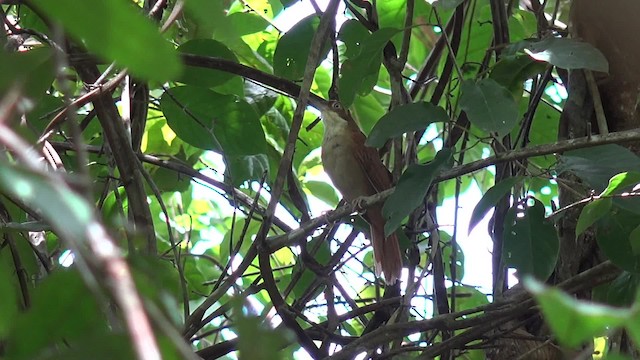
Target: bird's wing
{"points": [[377, 174]]}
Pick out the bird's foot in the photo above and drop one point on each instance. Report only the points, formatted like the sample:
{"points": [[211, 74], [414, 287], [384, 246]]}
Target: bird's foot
{"points": [[358, 205]]}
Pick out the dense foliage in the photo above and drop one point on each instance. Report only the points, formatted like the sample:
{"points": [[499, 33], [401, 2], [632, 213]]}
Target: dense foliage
{"points": [[162, 194]]}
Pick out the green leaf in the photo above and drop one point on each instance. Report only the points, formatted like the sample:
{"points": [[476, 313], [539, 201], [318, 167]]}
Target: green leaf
{"points": [[212, 121], [292, 51], [512, 71], [634, 240], [530, 243], [353, 34], [405, 118], [613, 236], [633, 326], [568, 54], [323, 191], [468, 297], [412, 188], [616, 356], [574, 322], [597, 165], [242, 168], [490, 199], [367, 109], [171, 181], [489, 106], [357, 74], [10, 294], [243, 23], [322, 255], [621, 181], [257, 341], [447, 251], [116, 30], [33, 70], [621, 292], [50, 199], [206, 15], [591, 213], [200, 76], [196, 279], [155, 278], [73, 315], [447, 4], [287, 3], [102, 346]]}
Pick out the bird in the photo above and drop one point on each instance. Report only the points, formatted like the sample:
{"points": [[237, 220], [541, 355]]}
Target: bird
{"points": [[356, 170]]}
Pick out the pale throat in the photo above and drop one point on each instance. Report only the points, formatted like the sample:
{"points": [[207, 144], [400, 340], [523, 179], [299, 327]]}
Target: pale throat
{"points": [[334, 126]]}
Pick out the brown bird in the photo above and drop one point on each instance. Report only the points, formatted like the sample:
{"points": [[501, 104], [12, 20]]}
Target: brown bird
{"points": [[357, 171]]}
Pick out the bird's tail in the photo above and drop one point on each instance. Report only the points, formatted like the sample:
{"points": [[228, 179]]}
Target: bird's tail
{"points": [[386, 253]]}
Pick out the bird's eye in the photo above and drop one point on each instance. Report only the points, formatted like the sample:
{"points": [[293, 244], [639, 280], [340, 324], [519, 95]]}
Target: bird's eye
{"points": [[336, 105]]}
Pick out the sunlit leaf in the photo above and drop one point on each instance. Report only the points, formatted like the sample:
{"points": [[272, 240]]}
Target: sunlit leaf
{"points": [[323, 191], [621, 181], [468, 297], [591, 213], [573, 321]]}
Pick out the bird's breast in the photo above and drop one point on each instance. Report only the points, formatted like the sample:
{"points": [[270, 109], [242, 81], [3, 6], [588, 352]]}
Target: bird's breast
{"points": [[342, 165]]}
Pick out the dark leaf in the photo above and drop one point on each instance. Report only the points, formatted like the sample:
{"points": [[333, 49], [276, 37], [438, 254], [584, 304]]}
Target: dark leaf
{"points": [[597, 165], [620, 292], [199, 76], [242, 168], [447, 4], [490, 199], [403, 119], [212, 121], [530, 243], [511, 72], [613, 236], [412, 188], [489, 106], [290, 57], [66, 318], [10, 294], [357, 74], [568, 54]]}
